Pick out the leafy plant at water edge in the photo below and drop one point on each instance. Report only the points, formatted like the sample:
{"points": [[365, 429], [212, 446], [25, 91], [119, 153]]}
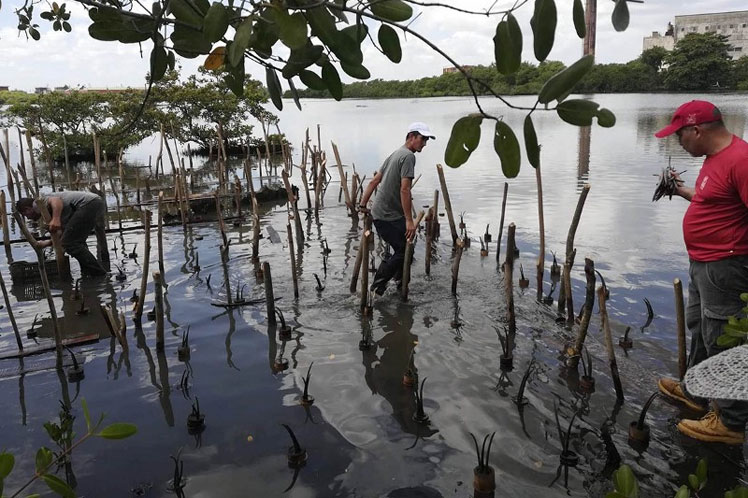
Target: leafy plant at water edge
{"points": [[63, 436], [736, 329]]}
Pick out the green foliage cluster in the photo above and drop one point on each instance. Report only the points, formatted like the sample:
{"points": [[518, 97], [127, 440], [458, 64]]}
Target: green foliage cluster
{"points": [[736, 328]]}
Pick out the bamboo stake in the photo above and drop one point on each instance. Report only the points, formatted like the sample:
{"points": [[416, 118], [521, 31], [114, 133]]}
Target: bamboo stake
{"points": [[367, 240], [429, 239], [409, 245], [359, 255], [501, 223], [269, 296], [159, 298], [304, 179], [45, 284], [10, 310], [447, 203], [343, 183], [293, 261], [589, 303], [681, 327], [116, 198], [540, 266], [63, 268], [160, 157], [6, 159], [609, 344], [459, 246], [138, 311], [509, 285], [6, 228], [255, 230], [294, 201], [160, 236], [570, 244], [318, 188], [32, 159]]}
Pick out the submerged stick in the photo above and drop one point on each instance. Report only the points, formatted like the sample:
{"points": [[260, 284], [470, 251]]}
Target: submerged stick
{"points": [[509, 285], [409, 245], [10, 311], [501, 223], [138, 312], [570, 244], [359, 256], [609, 344], [447, 203], [589, 303], [269, 296], [459, 246], [540, 267], [681, 330], [293, 261]]}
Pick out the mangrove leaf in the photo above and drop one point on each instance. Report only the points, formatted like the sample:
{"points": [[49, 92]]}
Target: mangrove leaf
{"points": [[507, 147], [543, 23], [357, 71], [216, 22], [159, 62], [621, 15], [58, 486], [531, 142], [606, 118], [183, 11], [578, 112], [562, 83], [312, 80], [7, 462], [463, 140], [274, 87], [292, 29], [240, 43], [392, 10], [390, 43], [119, 430], [332, 80], [508, 45], [579, 22]]}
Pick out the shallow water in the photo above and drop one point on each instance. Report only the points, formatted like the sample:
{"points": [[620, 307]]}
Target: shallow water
{"points": [[359, 433]]}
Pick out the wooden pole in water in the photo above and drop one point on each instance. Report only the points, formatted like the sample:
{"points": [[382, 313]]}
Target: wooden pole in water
{"points": [[35, 190], [48, 156], [255, 229], [138, 312], [509, 286], [409, 259], [269, 296], [609, 343], [10, 310], [447, 203], [293, 261], [359, 255], [137, 186], [459, 246], [567, 289], [680, 316], [160, 236], [116, 198], [159, 298], [570, 253], [304, 179], [343, 183], [6, 228], [97, 160], [540, 266], [63, 268], [318, 188], [30, 147], [293, 200], [45, 284], [589, 303], [501, 223], [366, 240], [6, 160], [431, 228]]}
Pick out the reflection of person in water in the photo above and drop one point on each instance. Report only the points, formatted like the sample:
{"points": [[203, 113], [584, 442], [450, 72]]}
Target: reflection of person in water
{"points": [[385, 376]]}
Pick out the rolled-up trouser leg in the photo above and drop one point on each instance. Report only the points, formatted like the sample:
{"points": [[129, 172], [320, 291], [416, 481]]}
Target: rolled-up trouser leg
{"points": [[719, 285], [74, 236]]}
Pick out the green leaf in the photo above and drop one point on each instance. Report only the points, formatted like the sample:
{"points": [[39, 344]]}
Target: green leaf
{"points": [[563, 82], [67, 27], [159, 61], [171, 60], [693, 481], [508, 45], [240, 43], [119, 430], [579, 22], [47, 16], [312, 80], [390, 43], [625, 482], [184, 12], [274, 87], [621, 15], [615, 494], [234, 79], [292, 29], [578, 112], [744, 297], [357, 71], [301, 59], [701, 472], [507, 147], [294, 94], [734, 331], [34, 34], [606, 118], [58, 486], [322, 24], [346, 48], [357, 33], [543, 25], [86, 414], [463, 140], [7, 462], [532, 148], [332, 80], [216, 22], [726, 341], [189, 43], [683, 492], [43, 459], [392, 10]]}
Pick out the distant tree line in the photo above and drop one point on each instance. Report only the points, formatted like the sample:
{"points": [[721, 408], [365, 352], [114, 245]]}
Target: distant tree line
{"points": [[699, 62]]}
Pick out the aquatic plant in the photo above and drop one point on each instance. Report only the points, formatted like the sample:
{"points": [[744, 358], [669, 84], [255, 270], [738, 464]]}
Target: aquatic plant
{"points": [[520, 399], [650, 315], [568, 457], [487, 235], [133, 254], [319, 286], [638, 429], [285, 330], [735, 331], [296, 454], [177, 481], [420, 416], [196, 419], [239, 298], [183, 351], [75, 372], [524, 283], [306, 399], [507, 358]]}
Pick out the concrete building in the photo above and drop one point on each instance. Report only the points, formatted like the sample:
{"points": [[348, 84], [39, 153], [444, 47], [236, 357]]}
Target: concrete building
{"points": [[4, 88], [452, 69], [734, 25]]}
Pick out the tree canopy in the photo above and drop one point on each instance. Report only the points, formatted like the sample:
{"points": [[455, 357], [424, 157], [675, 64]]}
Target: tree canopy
{"points": [[700, 61]]}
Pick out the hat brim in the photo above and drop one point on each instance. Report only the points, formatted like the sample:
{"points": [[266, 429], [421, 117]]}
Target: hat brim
{"points": [[668, 130]]}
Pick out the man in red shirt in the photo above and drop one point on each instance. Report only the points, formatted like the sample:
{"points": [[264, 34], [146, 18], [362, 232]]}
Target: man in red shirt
{"points": [[715, 230]]}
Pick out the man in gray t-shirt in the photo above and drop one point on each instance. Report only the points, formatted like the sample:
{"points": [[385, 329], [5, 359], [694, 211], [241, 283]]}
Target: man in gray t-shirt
{"points": [[76, 214], [392, 206]]}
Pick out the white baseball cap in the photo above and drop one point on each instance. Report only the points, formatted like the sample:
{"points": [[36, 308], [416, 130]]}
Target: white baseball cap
{"points": [[421, 129]]}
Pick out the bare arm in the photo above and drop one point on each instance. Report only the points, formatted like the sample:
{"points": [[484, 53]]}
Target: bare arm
{"points": [[405, 199], [686, 192], [55, 223], [369, 190]]}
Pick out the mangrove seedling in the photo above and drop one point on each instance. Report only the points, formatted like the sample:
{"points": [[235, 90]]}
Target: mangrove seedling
{"points": [[319, 286], [484, 477], [549, 298], [325, 248], [555, 269], [296, 454], [483, 248], [134, 297], [285, 330], [195, 420], [639, 429], [650, 315], [306, 399], [31, 333], [419, 416], [506, 360], [602, 282], [177, 481], [207, 282], [587, 381], [462, 220], [133, 254], [568, 457], [524, 283], [520, 400], [625, 341], [76, 290], [410, 377], [82, 310], [365, 343], [239, 298], [121, 277], [196, 266], [75, 372], [487, 236], [280, 364], [183, 351], [151, 315]]}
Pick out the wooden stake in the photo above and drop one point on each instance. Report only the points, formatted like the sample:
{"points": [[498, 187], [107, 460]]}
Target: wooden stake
{"points": [[138, 311], [447, 203], [6, 228], [409, 259], [294, 201], [680, 316], [359, 255], [116, 198], [159, 298], [609, 344], [343, 183], [567, 289], [367, 240], [304, 179], [501, 223], [269, 296], [30, 147], [570, 245], [160, 236], [255, 229], [458, 248], [7, 306], [509, 286], [293, 261], [6, 159], [540, 266], [589, 303]]}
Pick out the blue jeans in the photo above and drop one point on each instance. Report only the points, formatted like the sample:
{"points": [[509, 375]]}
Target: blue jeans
{"points": [[713, 295], [393, 232]]}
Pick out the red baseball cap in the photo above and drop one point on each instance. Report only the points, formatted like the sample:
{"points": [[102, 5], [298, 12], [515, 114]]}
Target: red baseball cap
{"points": [[691, 113]]}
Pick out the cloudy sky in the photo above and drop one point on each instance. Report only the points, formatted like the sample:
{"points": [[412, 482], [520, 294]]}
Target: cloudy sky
{"points": [[75, 59]]}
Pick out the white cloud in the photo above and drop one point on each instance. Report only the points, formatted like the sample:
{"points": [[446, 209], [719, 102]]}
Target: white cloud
{"points": [[76, 59]]}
